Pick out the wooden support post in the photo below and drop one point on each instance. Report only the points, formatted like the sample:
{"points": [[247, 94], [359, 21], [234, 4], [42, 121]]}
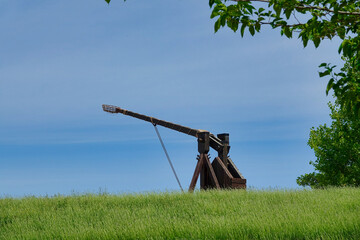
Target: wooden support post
{"points": [[198, 168], [223, 153], [205, 181], [213, 178]]}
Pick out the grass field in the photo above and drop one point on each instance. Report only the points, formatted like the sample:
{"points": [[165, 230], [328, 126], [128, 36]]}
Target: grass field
{"points": [[306, 214]]}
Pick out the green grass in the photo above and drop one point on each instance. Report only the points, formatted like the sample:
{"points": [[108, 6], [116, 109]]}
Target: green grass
{"points": [[316, 214]]}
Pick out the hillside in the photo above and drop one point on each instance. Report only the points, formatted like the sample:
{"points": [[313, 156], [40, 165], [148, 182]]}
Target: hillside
{"points": [[305, 214]]}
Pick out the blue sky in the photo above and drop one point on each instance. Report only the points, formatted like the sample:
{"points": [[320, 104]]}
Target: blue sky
{"points": [[60, 60]]}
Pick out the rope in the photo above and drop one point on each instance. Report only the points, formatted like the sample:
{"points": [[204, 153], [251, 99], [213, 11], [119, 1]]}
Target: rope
{"points": [[167, 156]]}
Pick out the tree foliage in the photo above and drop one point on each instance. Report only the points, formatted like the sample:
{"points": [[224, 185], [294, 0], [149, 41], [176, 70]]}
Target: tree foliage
{"points": [[337, 148], [337, 151], [310, 20]]}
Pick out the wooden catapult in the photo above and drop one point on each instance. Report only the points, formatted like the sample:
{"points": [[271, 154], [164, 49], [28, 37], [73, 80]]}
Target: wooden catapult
{"points": [[221, 173]]}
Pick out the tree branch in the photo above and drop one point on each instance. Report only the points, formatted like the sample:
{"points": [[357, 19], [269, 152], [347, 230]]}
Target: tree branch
{"points": [[328, 10], [280, 25]]}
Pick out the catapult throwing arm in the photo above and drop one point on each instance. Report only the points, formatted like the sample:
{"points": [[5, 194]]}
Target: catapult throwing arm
{"points": [[155, 121]]}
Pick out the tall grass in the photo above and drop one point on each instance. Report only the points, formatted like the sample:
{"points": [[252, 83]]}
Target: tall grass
{"points": [[305, 214]]}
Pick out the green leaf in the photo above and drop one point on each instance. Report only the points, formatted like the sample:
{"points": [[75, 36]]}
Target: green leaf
{"points": [[261, 10], [341, 32], [214, 14], [222, 20], [229, 24], [316, 41], [322, 65], [252, 30], [233, 24], [233, 11], [288, 13], [340, 74], [325, 73], [287, 32], [242, 29], [305, 40], [329, 86], [217, 25], [277, 9], [108, 1], [346, 48], [257, 26], [219, 8], [211, 3], [249, 7]]}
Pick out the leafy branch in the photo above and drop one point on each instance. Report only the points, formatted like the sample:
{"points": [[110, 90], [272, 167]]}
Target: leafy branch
{"points": [[324, 19], [306, 7]]}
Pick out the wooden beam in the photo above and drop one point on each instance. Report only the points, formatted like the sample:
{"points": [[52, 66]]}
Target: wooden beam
{"points": [[204, 178], [198, 167], [223, 174], [212, 173]]}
